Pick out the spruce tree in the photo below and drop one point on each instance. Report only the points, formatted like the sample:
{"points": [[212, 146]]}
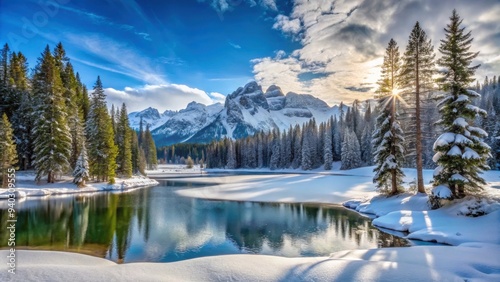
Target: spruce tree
{"points": [[460, 152], [100, 136], [351, 155], [81, 171], [124, 143], [416, 78], [5, 103], [150, 149], [8, 154], [388, 137], [328, 147], [22, 117], [52, 144]]}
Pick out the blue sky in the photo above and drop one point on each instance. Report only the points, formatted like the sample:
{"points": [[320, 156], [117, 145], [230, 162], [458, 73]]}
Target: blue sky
{"points": [[167, 53]]}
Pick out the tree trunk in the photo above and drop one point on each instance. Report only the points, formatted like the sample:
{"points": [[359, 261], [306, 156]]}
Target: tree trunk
{"points": [[49, 177], [393, 149], [420, 180]]}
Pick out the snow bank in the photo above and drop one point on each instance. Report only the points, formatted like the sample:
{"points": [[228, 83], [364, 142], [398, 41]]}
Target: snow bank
{"points": [[381, 205], [439, 226], [26, 187], [421, 263], [448, 225]]}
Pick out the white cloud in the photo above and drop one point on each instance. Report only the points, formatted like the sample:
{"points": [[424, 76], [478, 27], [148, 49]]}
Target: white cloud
{"points": [[161, 96], [218, 97], [286, 25], [270, 4], [343, 42]]}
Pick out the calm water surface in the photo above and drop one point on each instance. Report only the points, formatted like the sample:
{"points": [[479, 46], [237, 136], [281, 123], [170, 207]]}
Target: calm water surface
{"points": [[157, 225]]}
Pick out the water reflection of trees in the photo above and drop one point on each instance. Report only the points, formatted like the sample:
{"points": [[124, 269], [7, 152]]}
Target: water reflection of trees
{"points": [[300, 222], [153, 220], [89, 224]]}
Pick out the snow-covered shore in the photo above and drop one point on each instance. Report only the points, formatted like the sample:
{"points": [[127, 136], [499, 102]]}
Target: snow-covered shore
{"points": [[467, 262], [27, 187]]}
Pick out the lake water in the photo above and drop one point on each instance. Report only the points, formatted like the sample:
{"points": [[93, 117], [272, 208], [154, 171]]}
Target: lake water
{"points": [[156, 225]]}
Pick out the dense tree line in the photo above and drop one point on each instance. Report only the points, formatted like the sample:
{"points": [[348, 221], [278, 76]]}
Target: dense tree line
{"points": [[420, 121], [179, 153], [310, 146], [58, 128]]}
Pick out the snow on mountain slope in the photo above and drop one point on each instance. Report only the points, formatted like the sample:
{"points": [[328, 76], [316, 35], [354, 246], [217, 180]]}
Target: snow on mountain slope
{"points": [[150, 116], [183, 125], [245, 112]]}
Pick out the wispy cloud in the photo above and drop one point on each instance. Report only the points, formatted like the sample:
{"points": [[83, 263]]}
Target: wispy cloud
{"points": [[235, 46], [102, 20], [124, 59], [221, 6]]}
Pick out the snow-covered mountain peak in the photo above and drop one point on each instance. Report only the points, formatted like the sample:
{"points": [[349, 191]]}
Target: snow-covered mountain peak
{"points": [[149, 113], [194, 106], [251, 88], [150, 116]]}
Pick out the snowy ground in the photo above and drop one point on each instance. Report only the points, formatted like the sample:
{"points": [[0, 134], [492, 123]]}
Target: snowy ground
{"points": [[422, 263], [26, 186], [475, 255]]}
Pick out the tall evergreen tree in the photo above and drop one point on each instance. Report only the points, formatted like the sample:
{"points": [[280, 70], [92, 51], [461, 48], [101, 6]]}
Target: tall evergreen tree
{"points": [[81, 171], [124, 143], [22, 117], [8, 154], [351, 155], [460, 152], [52, 144], [416, 77], [328, 147], [231, 156], [150, 149], [100, 136], [5, 103], [388, 137]]}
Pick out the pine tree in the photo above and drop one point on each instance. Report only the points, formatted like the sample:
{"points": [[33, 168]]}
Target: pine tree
{"points": [[460, 152], [124, 143], [297, 147], [150, 149], [81, 171], [388, 139], [8, 154], [351, 156], [308, 147], [5, 103], [100, 136], [275, 151], [231, 156], [416, 77], [22, 117], [52, 144], [328, 147]]}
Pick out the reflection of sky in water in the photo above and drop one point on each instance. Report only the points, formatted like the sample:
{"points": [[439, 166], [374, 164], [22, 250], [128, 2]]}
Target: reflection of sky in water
{"points": [[157, 225]]}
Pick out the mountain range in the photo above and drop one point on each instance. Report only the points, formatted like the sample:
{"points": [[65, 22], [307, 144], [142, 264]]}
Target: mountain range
{"points": [[245, 112]]}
